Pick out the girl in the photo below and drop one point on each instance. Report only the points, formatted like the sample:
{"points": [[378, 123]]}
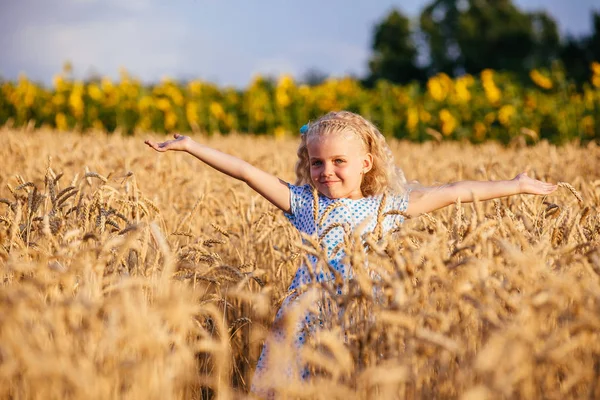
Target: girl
{"points": [[345, 176]]}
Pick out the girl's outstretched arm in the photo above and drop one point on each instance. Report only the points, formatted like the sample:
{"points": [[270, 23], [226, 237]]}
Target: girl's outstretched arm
{"points": [[269, 186], [431, 198]]}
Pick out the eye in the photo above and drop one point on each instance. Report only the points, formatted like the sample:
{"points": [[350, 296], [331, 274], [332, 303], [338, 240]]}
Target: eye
{"points": [[339, 161], [316, 163]]}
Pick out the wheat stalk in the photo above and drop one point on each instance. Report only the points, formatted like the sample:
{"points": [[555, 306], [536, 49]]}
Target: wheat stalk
{"points": [[572, 190]]}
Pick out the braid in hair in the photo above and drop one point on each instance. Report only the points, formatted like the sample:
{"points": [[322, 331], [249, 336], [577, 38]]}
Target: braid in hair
{"points": [[302, 165], [383, 176]]}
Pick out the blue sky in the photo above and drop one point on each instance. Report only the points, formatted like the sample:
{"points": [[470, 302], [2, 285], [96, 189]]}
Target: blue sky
{"points": [[223, 41]]}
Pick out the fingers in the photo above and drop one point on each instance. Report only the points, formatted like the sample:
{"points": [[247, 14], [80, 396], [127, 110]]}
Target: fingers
{"points": [[535, 186], [155, 146], [173, 144], [547, 188], [549, 185]]}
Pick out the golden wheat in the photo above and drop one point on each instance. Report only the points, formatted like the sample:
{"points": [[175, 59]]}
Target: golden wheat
{"points": [[157, 277]]}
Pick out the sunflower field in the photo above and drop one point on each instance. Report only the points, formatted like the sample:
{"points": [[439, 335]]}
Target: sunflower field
{"points": [[493, 106]]}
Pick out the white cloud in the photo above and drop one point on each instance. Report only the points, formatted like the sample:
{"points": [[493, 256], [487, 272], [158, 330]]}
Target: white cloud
{"points": [[142, 46], [132, 5], [209, 40], [275, 66], [338, 58]]}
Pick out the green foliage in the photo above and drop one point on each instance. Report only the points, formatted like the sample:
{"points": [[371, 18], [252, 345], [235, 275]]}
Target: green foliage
{"points": [[395, 54], [472, 35], [468, 36], [577, 53]]}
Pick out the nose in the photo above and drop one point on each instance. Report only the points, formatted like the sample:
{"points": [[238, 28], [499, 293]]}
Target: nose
{"points": [[327, 170]]}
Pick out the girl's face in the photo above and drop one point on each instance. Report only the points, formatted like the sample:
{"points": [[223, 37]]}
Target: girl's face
{"points": [[338, 163]]}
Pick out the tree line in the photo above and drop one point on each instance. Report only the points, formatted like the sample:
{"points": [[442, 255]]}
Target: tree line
{"points": [[458, 37]]}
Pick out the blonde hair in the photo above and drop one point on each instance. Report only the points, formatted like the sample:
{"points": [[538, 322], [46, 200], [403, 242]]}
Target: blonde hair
{"points": [[383, 176]]}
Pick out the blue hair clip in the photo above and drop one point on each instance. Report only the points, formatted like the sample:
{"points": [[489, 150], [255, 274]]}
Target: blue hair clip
{"points": [[304, 129]]}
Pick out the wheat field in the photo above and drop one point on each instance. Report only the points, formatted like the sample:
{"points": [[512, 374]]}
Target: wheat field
{"points": [[131, 274]]}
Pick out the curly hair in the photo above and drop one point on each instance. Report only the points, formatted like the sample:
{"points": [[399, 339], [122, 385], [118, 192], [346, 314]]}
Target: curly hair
{"points": [[384, 174]]}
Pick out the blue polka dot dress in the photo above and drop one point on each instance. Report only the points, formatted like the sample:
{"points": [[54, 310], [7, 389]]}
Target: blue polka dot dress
{"points": [[342, 212]]}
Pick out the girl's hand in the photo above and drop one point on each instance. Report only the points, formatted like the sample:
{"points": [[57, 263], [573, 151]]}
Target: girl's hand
{"points": [[529, 185], [180, 143]]}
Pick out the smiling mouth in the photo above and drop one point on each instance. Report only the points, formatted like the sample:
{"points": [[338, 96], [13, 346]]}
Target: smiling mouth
{"points": [[329, 183]]}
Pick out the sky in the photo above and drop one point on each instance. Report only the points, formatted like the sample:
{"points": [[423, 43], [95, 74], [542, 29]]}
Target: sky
{"points": [[227, 42]]}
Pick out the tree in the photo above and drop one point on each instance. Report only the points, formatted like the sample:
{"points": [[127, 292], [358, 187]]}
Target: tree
{"points": [[471, 35], [314, 76], [574, 59], [394, 51], [594, 42], [545, 38], [577, 54], [439, 24], [494, 36]]}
